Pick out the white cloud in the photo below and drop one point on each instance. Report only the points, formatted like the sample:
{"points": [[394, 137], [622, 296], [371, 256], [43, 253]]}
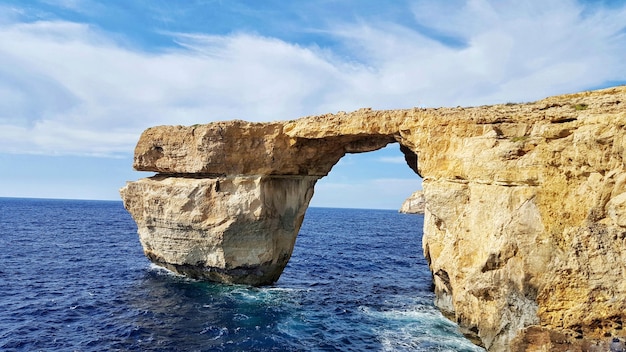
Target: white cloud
{"points": [[66, 75], [70, 88]]}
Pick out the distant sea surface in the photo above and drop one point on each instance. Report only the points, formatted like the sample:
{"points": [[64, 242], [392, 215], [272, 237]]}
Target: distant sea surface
{"points": [[73, 278]]}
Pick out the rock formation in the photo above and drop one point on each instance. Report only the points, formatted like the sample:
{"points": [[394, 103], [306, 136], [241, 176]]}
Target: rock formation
{"points": [[525, 228], [415, 204]]}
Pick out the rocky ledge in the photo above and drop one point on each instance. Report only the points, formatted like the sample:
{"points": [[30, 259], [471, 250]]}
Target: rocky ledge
{"points": [[525, 228]]}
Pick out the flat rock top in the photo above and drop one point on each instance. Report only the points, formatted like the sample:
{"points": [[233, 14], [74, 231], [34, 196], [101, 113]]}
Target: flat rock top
{"points": [[312, 145]]}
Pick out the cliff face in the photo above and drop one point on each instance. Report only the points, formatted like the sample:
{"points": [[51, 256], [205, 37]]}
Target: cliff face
{"points": [[525, 227], [415, 204]]}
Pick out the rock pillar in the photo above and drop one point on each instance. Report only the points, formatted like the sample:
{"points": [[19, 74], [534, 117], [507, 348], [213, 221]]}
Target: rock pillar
{"points": [[228, 229]]}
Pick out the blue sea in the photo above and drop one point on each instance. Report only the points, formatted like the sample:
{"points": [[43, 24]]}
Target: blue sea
{"points": [[73, 278]]}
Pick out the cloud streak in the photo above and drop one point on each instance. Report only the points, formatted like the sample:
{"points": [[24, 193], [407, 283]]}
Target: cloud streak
{"points": [[73, 88]]}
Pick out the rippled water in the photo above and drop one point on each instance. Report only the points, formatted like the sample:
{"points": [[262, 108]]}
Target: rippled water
{"points": [[73, 277]]}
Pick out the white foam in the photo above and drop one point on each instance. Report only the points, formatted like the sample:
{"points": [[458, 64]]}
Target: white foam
{"points": [[160, 269], [418, 314], [164, 271], [265, 294], [405, 340], [419, 328]]}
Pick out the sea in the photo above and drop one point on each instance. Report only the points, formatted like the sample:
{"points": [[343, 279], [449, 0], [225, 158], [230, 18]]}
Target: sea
{"points": [[73, 277]]}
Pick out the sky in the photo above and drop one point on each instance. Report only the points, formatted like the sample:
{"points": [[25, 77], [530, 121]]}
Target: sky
{"points": [[81, 79]]}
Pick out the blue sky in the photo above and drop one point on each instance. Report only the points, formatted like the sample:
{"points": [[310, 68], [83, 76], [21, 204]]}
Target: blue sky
{"points": [[81, 79]]}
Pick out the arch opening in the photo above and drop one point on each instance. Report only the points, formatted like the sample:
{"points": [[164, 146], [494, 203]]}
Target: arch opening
{"points": [[365, 259], [377, 179]]}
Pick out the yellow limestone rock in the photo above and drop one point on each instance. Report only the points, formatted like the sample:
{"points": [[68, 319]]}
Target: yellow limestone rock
{"points": [[525, 223]]}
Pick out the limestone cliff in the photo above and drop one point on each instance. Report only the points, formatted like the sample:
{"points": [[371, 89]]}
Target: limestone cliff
{"points": [[525, 228], [415, 204]]}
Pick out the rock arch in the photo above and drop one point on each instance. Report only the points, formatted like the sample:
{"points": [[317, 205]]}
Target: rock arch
{"points": [[229, 197], [524, 226]]}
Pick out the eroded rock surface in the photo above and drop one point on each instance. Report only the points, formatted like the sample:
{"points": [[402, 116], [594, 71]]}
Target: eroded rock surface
{"points": [[414, 204], [238, 229], [525, 224]]}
